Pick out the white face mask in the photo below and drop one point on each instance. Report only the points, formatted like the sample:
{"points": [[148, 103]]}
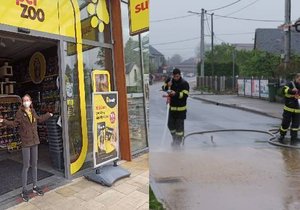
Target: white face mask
{"points": [[26, 104]]}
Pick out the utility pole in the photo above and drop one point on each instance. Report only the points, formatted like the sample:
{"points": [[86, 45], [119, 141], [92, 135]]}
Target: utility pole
{"points": [[212, 45], [202, 43], [233, 69], [287, 33]]}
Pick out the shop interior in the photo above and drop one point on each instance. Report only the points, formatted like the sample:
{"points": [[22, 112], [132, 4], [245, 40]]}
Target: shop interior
{"points": [[18, 76]]}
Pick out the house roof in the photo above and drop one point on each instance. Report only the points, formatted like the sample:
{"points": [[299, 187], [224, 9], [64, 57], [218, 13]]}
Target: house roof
{"points": [[129, 67], [272, 40], [154, 51], [243, 46]]}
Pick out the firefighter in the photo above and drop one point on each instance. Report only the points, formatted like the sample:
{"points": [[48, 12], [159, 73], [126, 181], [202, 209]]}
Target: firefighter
{"points": [[291, 110], [178, 91]]}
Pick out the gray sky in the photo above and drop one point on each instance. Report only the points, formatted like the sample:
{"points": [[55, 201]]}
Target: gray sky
{"points": [[189, 27]]}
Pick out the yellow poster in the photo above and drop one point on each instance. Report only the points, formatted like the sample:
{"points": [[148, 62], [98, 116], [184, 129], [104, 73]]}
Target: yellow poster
{"points": [[105, 128], [138, 16], [101, 81]]}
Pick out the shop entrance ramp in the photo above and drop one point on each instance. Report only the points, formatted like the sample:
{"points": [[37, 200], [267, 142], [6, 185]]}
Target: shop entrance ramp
{"points": [[107, 175]]}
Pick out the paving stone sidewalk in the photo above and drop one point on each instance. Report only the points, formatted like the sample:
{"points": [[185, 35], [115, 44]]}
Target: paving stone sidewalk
{"points": [[81, 194]]}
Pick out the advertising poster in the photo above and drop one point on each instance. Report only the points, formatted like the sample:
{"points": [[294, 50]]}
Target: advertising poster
{"points": [[247, 87], [105, 128], [241, 87], [255, 88], [264, 89], [101, 81]]}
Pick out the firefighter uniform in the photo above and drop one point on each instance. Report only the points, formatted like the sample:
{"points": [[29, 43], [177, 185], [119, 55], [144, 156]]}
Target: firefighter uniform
{"points": [[291, 111], [177, 112]]}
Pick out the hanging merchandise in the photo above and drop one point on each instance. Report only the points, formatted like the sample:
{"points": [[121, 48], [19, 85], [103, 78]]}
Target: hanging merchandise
{"points": [[9, 138]]}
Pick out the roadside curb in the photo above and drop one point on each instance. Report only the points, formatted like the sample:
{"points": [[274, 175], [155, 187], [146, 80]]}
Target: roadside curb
{"points": [[235, 107]]}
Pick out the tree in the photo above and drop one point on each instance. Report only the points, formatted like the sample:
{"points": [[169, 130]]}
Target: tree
{"points": [[175, 60]]}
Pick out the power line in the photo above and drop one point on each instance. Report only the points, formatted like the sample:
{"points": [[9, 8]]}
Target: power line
{"points": [[229, 34], [184, 40], [167, 19], [249, 19], [248, 5], [228, 5]]}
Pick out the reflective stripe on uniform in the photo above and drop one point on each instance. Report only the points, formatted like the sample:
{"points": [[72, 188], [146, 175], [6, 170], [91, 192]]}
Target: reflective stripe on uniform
{"points": [[185, 92], [286, 89], [291, 109], [179, 133], [294, 129], [172, 131], [173, 108], [181, 95], [282, 129]]}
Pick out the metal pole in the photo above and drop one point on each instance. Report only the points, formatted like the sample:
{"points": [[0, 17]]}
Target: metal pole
{"points": [[233, 69], [143, 88], [202, 43], [287, 33], [212, 45]]}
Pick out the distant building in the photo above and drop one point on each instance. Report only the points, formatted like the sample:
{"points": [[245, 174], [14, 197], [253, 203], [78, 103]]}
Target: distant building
{"points": [[272, 40], [188, 66], [156, 58], [133, 75]]}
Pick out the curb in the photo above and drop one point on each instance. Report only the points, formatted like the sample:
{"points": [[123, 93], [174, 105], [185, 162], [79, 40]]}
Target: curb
{"points": [[235, 107]]}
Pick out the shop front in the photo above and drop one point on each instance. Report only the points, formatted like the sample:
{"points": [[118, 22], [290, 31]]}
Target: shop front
{"points": [[50, 50]]}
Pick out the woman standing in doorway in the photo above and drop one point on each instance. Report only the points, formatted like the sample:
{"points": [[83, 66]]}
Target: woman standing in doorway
{"points": [[26, 120]]}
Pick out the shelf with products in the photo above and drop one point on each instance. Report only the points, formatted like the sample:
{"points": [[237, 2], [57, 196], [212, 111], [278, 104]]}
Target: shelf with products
{"points": [[9, 137]]}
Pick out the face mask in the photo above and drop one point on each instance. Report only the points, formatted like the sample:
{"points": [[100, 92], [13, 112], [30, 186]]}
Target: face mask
{"points": [[26, 104]]}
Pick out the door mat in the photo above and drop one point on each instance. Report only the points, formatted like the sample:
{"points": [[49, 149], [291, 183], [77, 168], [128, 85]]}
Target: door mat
{"points": [[11, 175]]}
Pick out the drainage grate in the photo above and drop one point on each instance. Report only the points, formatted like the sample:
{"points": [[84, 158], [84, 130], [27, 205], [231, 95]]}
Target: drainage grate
{"points": [[169, 180]]}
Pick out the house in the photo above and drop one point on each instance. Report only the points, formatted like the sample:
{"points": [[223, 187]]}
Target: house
{"points": [[188, 66], [133, 75], [272, 40], [156, 59]]}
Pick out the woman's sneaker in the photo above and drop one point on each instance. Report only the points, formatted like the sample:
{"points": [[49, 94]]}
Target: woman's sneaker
{"points": [[25, 195], [38, 191]]}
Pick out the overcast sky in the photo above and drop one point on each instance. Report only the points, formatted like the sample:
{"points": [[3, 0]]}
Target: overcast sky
{"points": [[226, 30]]}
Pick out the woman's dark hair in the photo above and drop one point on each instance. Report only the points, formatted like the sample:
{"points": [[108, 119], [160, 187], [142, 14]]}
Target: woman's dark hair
{"points": [[27, 95]]}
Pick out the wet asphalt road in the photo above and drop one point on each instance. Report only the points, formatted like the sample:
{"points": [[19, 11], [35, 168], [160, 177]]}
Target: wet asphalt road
{"points": [[226, 171]]}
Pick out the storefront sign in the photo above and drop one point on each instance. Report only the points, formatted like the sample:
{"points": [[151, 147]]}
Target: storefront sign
{"points": [[138, 16], [39, 15], [101, 81], [105, 128], [37, 67]]}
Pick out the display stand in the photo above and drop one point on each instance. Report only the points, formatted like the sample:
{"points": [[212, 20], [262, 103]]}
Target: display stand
{"points": [[107, 175]]}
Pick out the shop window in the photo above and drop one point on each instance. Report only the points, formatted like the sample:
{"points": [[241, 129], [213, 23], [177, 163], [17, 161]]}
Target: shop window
{"points": [[96, 20], [96, 58], [134, 82], [73, 107]]}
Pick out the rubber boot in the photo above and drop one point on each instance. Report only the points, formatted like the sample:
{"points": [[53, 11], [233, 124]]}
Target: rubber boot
{"points": [[293, 138], [280, 139]]}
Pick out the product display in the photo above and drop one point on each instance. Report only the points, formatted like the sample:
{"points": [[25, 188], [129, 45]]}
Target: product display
{"points": [[9, 138]]}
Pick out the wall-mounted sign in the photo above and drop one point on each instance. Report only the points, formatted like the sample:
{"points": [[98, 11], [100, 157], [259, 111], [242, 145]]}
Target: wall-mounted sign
{"points": [[138, 16], [37, 67]]}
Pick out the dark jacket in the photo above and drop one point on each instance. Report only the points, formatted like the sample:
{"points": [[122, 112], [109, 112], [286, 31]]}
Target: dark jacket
{"points": [[27, 130], [291, 103], [178, 101]]}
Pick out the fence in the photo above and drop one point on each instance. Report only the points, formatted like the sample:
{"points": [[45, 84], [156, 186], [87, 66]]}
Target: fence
{"points": [[215, 83]]}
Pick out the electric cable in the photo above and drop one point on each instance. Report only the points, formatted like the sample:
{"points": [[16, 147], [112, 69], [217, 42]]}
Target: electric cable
{"points": [[248, 5], [223, 7], [173, 18]]}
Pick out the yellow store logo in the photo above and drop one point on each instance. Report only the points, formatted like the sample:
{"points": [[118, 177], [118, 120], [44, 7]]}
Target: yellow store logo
{"points": [[30, 10], [98, 9]]}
